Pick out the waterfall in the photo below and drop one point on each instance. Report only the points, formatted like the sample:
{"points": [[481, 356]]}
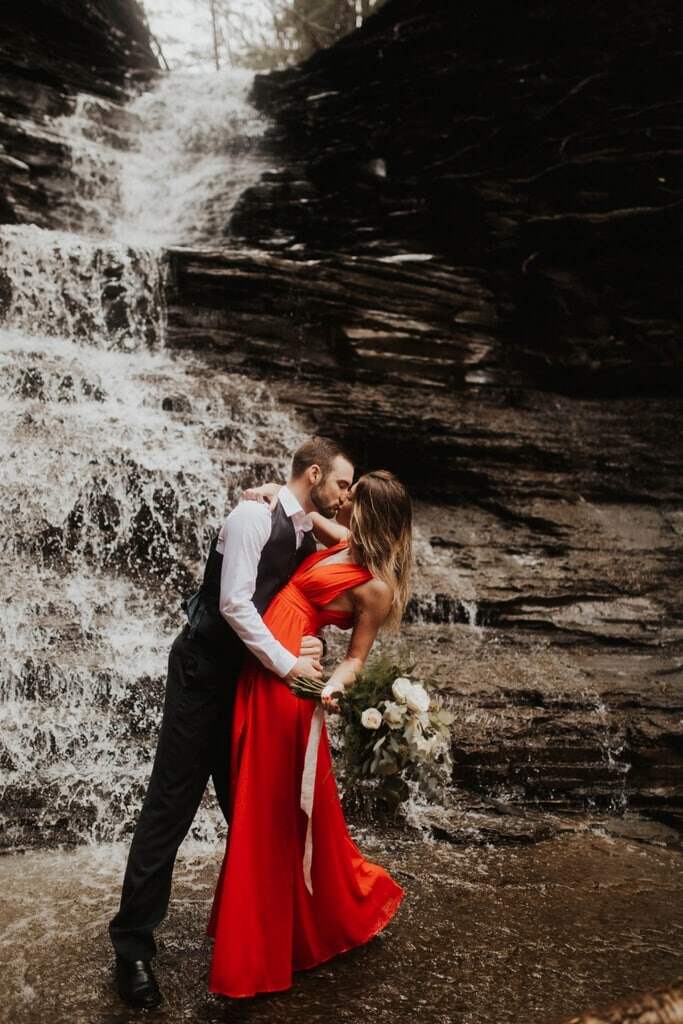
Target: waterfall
{"points": [[121, 457], [170, 166]]}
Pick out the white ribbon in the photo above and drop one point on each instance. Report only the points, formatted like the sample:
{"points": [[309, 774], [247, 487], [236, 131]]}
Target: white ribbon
{"points": [[308, 788]]}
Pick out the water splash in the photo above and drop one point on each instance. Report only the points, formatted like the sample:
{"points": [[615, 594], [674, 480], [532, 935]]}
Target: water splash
{"points": [[471, 610], [613, 744], [445, 608]]}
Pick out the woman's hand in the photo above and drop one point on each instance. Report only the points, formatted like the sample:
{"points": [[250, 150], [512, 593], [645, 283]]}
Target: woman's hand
{"points": [[266, 492], [311, 647], [327, 696]]}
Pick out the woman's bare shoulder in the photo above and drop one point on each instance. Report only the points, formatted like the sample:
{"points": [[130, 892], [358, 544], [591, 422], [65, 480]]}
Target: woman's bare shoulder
{"points": [[374, 594]]}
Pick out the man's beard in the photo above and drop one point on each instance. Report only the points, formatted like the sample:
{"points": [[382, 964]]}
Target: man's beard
{"points": [[328, 511]]}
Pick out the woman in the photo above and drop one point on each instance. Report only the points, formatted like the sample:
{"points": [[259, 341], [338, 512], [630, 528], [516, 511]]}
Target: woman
{"points": [[294, 890]]}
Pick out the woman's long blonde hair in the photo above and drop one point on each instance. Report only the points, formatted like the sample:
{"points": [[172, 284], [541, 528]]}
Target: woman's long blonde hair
{"points": [[381, 533]]}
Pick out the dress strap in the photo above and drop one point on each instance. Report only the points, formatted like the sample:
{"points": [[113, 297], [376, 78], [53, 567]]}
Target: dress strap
{"points": [[308, 789]]}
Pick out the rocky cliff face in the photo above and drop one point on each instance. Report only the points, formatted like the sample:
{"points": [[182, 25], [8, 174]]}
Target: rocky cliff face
{"points": [[539, 144], [49, 52], [465, 260]]}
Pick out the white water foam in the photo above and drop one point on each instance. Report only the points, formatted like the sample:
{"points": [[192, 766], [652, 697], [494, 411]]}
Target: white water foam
{"points": [[64, 285]]}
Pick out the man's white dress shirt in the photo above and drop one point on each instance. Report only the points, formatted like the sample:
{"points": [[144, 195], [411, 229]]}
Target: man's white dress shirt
{"points": [[241, 540]]}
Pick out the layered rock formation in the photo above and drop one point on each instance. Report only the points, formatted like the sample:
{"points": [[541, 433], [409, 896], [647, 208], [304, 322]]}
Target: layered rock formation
{"points": [[540, 145], [465, 260]]}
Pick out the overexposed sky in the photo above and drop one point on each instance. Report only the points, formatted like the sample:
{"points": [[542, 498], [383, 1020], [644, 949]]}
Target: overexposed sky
{"points": [[183, 27]]}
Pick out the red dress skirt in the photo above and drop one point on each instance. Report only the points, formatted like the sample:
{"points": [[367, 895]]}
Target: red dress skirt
{"points": [[294, 890]]}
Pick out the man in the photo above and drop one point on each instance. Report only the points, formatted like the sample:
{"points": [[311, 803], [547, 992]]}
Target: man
{"points": [[254, 555]]}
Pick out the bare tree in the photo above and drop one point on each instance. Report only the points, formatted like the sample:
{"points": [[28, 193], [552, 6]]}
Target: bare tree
{"points": [[214, 33], [281, 31]]}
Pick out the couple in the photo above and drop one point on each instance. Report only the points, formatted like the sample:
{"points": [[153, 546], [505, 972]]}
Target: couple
{"points": [[294, 890]]}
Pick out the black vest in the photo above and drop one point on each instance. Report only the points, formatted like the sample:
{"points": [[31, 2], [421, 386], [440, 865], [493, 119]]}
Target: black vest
{"points": [[279, 559]]}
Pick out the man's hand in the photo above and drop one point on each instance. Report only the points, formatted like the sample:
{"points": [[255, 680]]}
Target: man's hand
{"points": [[309, 668], [266, 492], [311, 647]]}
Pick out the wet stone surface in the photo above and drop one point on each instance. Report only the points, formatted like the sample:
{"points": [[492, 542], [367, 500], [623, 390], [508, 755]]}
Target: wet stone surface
{"points": [[525, 934]]}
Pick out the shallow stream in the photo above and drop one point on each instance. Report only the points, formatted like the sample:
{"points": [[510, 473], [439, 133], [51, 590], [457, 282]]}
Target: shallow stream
{"points": [[525, 934]]}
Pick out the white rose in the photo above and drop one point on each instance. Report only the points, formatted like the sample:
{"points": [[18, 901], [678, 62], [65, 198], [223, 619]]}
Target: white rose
{"points": [[371, 718], [400, 688], [394, 714], [417, 699]]}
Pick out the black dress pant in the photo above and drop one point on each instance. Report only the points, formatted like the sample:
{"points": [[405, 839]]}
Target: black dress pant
{"points": [[194, 743]]}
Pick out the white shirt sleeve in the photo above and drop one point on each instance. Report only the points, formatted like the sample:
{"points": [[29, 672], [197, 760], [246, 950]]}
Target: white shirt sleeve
{"points": [[244, 535]]}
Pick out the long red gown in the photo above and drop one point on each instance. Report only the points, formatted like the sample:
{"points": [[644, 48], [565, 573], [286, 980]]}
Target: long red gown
{"points": [[265, 921]]}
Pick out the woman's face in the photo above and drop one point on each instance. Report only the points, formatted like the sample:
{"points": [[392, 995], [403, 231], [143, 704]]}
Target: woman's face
{"points": [[343, 516]]}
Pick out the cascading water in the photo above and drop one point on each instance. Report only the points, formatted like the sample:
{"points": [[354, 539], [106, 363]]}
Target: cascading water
{"points": [[120, 459], [64, 285], [169, 167]]}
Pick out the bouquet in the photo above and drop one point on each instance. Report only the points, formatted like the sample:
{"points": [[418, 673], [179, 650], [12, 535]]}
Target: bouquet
{"points": [[395, 731]]}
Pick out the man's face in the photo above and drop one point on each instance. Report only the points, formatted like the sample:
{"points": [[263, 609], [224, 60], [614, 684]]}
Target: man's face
{"points": [[330, 493]]}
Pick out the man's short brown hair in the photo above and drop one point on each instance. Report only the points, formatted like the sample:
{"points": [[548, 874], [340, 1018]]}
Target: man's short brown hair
{"points": [[317, 451]]}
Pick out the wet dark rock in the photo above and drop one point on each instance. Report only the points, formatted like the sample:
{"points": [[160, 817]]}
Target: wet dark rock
{"points": [[48, 540], [370, 347], [176, 403], [477, 822], [31, 383], [514, 142], [473, 825], [556, 284], [556, 724], [93, 391], [88, 45], [140, 710]]}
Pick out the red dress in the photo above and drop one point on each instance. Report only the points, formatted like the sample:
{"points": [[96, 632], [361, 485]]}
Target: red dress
{"points": [[265, 921]]}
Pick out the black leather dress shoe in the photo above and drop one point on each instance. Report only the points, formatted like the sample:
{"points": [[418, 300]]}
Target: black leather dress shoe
{"points": [[136, 983]]}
